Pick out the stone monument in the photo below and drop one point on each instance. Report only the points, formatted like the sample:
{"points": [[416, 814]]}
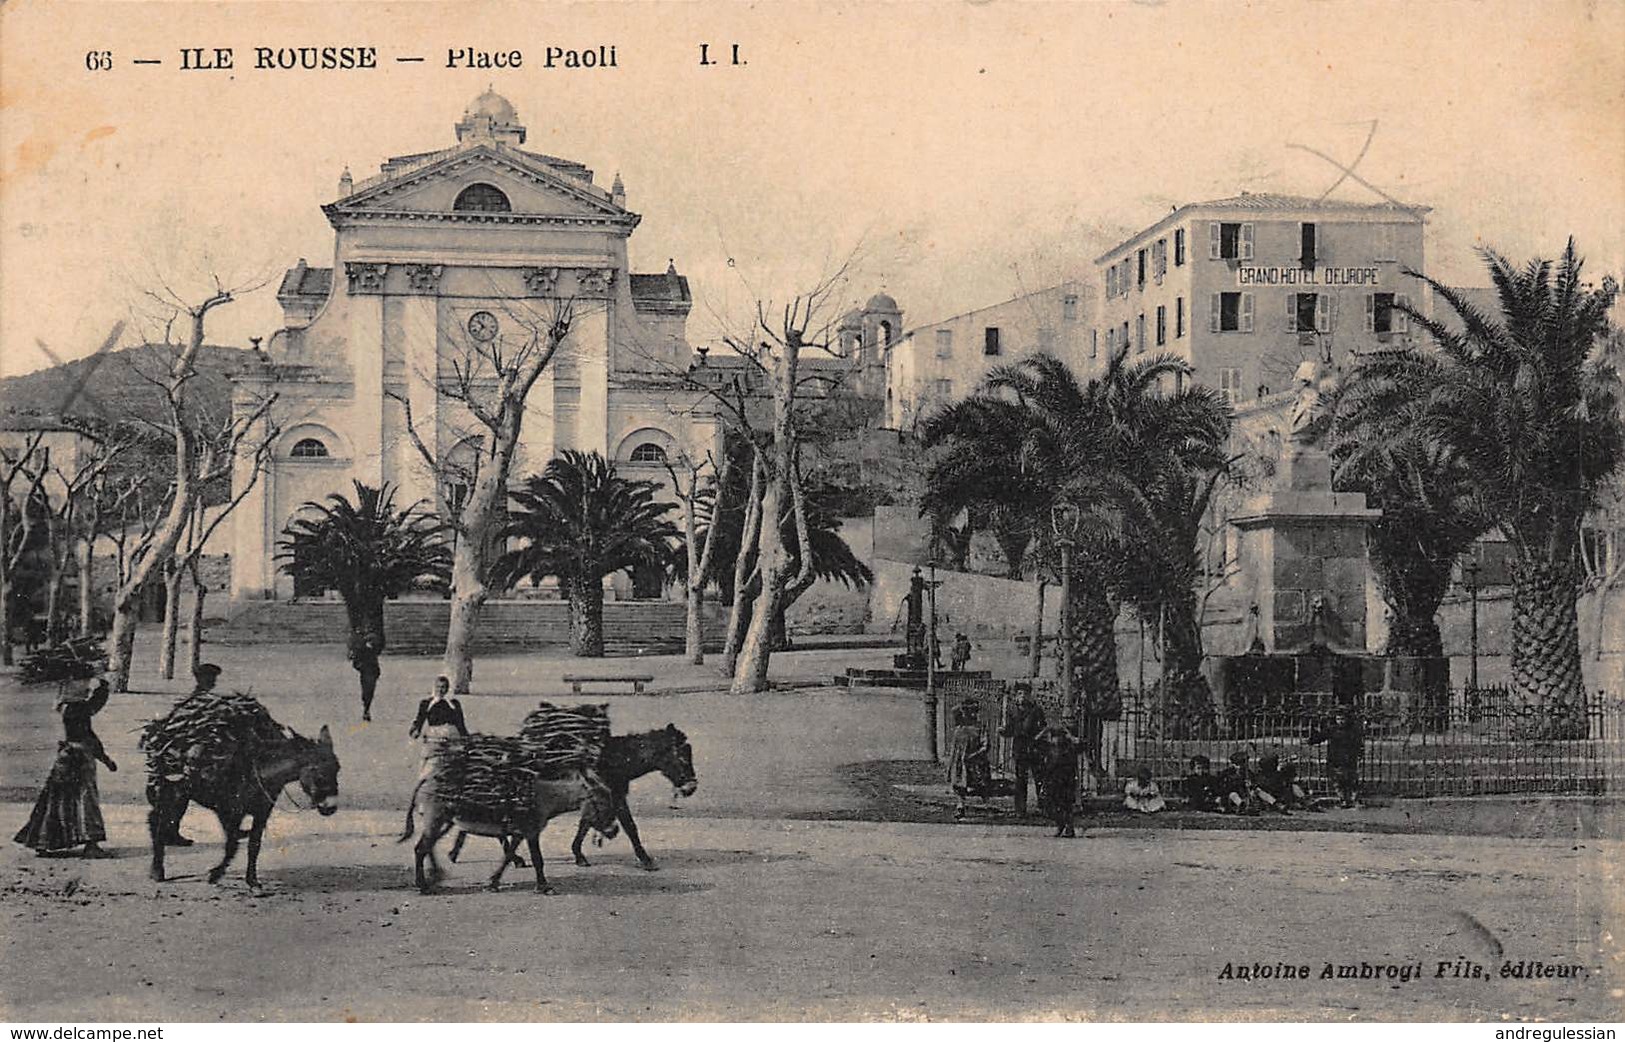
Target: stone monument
{"points": [[1302, 546]]}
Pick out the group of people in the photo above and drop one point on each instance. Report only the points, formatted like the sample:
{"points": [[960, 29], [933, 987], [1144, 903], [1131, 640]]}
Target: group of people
{"points": [[1047, 754], [1044, 753], [67, 815]]}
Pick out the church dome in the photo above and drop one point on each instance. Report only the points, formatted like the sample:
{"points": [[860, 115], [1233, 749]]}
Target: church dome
{"points": [[493, 105], [880, 302]]}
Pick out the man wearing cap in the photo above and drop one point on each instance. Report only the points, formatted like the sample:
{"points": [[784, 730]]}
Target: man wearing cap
{"points": [[1022, 726]]}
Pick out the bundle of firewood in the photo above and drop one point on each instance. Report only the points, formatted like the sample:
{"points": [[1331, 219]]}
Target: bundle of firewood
{"points": [[567, 736], [493, 777], [204, 733], [78, 659]]}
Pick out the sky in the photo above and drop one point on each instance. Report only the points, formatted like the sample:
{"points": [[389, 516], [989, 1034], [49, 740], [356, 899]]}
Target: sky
{"points": [[958, 154]]}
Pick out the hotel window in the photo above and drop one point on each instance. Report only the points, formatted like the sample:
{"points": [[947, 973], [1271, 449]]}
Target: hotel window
{"points": [[1162, 324], [1308, 313], [1179, 317], [942, 390], [1179, 247], [990, 341], [945, 343], [1139, 334], [1094, 343], [1139, 263], [1127, 276], [1111, 282], [1230, 313], [1229, 241], [1122, 336], [1069, 308], [1159, 259], [1111, 341], [1306, 238], [1382, 314], [1230, 384]]}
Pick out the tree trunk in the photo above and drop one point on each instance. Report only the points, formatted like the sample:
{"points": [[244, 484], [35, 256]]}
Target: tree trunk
{"points": [[694, 630], [121, 643], [756, 649], [587, 619], [53, 601], [1185, 690], [1094, 641], [469, 561], [738, 611], [86, 553], [194, 635], [171, 624], [1546, 668], [1035, 654], [5, 617]]}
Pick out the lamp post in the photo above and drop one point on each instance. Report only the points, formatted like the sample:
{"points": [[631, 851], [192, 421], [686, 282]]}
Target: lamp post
{"points": [[1065, 519], [931, 658], [1470, 572]]}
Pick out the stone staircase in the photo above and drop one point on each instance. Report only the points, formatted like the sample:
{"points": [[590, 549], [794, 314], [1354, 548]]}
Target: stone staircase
{"points": [[419, 627]]}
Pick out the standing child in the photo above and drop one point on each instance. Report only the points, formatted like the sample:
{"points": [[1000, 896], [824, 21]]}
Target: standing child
{"points": [[1141, 793], [1060, 789], [969, 770]]}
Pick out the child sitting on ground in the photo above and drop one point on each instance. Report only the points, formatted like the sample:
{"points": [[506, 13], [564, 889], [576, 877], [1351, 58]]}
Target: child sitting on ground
{"points": [[1199, 787], [1141, 793]]}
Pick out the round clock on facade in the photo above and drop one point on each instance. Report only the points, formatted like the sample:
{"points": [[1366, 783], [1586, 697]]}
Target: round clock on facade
{"points": [[482, 326]]}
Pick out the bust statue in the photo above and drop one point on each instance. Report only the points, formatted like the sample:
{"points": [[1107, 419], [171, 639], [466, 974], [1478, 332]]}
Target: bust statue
{"points": [[1307, 407]]}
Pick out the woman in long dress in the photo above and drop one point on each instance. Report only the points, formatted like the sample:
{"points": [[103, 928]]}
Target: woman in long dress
{"points": [[969, 771], [68, 812]]}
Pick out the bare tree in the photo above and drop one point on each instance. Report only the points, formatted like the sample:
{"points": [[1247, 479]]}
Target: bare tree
{"points": [[206, 450], [803, 324], [67, 504], [491, 379], [694, 497]]}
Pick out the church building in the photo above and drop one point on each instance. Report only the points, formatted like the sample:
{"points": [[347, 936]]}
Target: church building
{"points": [[444, 257]]}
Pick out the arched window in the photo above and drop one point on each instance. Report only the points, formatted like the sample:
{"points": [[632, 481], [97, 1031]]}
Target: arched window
{"points": [[648, 452], [309, 448], [885, 334], [482, 198]]}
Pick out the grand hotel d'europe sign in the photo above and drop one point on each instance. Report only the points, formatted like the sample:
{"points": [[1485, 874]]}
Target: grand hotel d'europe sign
{"points": [[1292, 275]]}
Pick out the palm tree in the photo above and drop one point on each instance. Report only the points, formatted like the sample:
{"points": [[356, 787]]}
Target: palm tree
{"points": [[367, 550], [1138, 461], [1528, 402], [580, 521], [1430, 515]]}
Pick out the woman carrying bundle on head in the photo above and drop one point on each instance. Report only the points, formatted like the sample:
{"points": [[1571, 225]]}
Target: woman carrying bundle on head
{"points": [[68, 812]]}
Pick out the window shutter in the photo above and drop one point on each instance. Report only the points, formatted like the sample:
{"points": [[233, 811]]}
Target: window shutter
{"points": [[1246, 312], [1246, 250], [1402, 321], [1291, 312], [1213, 312], [1370, 312], [1323, 312], [1213, 241]]}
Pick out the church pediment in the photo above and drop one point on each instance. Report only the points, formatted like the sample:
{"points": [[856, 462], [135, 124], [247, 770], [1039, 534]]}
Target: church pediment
{"points": [[486, 184]]}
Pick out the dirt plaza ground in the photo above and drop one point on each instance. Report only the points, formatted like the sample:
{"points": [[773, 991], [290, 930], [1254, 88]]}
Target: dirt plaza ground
{"points": [[811, 876]]}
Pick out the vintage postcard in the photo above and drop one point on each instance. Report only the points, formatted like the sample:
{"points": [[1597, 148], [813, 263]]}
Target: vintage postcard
{"points": [[953, 511]]}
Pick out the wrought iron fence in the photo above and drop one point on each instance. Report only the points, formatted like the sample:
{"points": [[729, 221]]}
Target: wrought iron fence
{"points": [[1464, 742]]}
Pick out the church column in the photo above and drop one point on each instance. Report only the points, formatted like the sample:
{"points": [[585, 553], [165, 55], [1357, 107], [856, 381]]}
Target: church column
{"points": [[253, 571], [590, 336], [420, 328], [366, 349]]}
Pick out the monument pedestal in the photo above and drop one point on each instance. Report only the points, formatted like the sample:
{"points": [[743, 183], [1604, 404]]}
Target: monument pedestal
{"points": [[1303, 551]]}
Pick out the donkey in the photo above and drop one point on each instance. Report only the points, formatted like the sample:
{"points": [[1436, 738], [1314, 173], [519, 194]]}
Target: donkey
{"points": [[550, 797], [626, 758], [248, 788]]}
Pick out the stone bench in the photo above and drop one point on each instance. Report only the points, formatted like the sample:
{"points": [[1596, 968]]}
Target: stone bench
{"points": [[576, 682]]}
